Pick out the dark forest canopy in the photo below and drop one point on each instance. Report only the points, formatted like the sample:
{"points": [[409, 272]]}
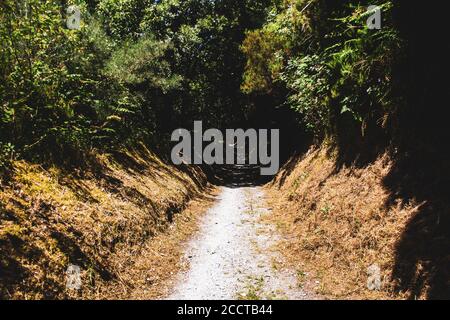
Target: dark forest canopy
{"points": [[137, 69]]}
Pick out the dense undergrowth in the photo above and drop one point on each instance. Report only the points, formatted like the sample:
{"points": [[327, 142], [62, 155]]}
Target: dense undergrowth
{"points": [[134, 71]]}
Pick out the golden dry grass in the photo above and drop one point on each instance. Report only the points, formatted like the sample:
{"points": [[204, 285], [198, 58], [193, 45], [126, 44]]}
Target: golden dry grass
{"points": [[122, 222], [336, 224]]}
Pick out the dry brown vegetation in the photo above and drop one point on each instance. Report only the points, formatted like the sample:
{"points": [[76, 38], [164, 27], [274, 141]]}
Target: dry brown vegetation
{"points": [[119, 221], [337, 222]]}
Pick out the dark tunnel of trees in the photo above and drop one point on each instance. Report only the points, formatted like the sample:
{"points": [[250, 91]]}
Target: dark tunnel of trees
{"points": [[138, 69]]}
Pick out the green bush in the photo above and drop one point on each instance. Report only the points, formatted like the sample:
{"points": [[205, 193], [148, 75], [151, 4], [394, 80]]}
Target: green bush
{"points": [[331, 63]]}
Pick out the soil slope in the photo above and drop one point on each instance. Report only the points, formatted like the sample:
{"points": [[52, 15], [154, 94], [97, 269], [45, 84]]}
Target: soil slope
{"points": [[338, 221], [102, 220]]}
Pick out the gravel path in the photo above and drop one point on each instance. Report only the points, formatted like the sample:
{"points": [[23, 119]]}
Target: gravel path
{"points": [[230, 258]]}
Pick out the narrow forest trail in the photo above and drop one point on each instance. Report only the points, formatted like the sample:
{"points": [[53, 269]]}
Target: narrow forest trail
{"points": [[231, 257]]}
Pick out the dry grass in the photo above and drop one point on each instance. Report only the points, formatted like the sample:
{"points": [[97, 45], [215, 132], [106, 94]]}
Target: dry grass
{"points": [[152, 274], [336, 224], [120, 222]]}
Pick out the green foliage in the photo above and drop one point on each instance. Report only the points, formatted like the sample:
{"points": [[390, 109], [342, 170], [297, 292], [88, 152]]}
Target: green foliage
{"points": [[121, 18], [143, 62], [205, 37], [332, 64], [362, 62], [264, 60], [36, 53], [308, 78], [6, 155], [134, 71], [137, 69], [55, 100]]}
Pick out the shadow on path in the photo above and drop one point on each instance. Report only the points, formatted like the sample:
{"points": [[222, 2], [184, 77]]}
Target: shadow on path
{"points": [[238, 176]]}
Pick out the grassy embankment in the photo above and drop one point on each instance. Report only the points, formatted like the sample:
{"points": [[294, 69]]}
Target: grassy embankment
{"points": [[121, 219], [339, 220]]}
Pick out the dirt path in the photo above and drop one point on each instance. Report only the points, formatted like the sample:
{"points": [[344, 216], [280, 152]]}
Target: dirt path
{"points": [[231, 257]]}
